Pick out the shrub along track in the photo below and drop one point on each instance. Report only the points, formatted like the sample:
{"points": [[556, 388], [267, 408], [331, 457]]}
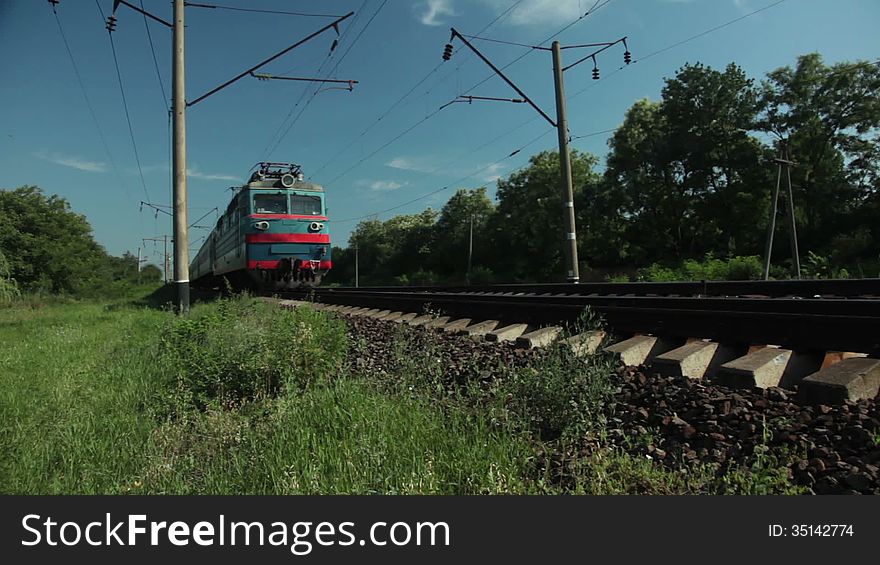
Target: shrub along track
{"points": [[680, 424]]}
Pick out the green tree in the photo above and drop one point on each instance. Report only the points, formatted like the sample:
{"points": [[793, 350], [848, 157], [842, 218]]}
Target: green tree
{"points": [[392, 250], [466, 209], [829, 118], [526, 230], [49, 247], [688, 171]]}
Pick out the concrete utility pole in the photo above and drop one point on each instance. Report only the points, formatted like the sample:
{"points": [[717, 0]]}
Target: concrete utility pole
{"points": [[571, 250], [470, 250], [782, 161], [165, 257], [356, 266], [561, 124], [178, 109]]}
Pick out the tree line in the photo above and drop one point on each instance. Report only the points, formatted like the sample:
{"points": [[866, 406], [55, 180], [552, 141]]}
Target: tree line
{"points": [[685, 191], [45, 247]]}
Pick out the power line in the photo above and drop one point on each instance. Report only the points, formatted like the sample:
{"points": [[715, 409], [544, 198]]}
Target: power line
{"points": [[266, 150], [500, 41], [330, 73], [677, 44], [254, 10], [128, 119], [708, 31], [125, 104], [407, 94], [451, 184], [386, 144], [155, 61], [652, 54], [376, 122], [597, 6], [89, 103], [594, 134]]}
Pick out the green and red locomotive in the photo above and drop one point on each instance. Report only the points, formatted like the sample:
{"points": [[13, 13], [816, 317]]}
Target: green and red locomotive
{"points": [[273, 235]]}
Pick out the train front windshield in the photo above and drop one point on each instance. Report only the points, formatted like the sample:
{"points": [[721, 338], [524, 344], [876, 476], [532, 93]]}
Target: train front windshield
{"points": [[270, 204], [305, 205]]}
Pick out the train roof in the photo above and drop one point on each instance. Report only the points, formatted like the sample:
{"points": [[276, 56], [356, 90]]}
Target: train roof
{"points": [[287, 176]]}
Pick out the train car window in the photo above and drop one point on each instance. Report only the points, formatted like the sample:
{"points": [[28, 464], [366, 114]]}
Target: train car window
{"points": [[306, 205], [270, 204]]}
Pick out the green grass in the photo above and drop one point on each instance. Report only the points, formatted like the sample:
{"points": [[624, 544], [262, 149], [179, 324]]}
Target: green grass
{"points": [[242, 397], [76, 388], [341, 438], [109, 400]]}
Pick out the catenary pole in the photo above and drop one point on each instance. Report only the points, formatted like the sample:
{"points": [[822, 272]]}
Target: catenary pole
{"points": [[571, 254], [181, 237], [774, 206], [792, 224], [470, 250]]}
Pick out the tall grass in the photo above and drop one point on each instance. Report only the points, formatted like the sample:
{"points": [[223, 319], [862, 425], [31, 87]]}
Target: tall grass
{"points": [[241, 397], [78, 388], [9, 291]]}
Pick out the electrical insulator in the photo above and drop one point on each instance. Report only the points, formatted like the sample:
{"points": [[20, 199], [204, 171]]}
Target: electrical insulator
{"points": [[111, 23], [595, 73], [627, 57], [447, 52]]}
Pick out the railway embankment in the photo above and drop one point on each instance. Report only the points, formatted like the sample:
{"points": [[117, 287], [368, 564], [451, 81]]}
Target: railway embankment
{"points": [[577, 409]]}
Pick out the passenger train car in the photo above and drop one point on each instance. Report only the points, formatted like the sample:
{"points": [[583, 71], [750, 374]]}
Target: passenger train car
{"points": [[273, 235]]}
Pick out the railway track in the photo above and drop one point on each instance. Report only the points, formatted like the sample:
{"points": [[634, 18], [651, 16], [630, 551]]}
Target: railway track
{"points": [[755, 333]]}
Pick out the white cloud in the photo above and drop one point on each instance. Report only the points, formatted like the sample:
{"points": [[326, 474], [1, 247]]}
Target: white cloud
{"points": [[383, 185], [491, 174], [408, 164], [431, 10], [73, 162], [194, 173], [542, 12]]}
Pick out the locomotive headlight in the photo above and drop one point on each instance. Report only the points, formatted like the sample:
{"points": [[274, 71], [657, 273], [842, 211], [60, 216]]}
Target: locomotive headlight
{"points": [[316, 226], [262, 226]]}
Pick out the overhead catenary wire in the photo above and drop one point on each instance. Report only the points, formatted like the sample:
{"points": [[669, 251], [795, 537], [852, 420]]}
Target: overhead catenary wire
{"points": [[155, 60], [409, 92], [330, 73], [456, 182], [271, 145], [578, 93], [599, 4], [386, 144], [708, 31], [258, 11], [676, 44], [88, 102], [137, 157]]}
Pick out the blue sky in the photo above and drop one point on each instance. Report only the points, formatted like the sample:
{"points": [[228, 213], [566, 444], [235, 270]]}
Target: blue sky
{"points": [[49, 138]]}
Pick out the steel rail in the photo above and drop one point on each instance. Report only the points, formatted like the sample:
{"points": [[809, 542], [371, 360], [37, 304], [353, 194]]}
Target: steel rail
{"points": [[800, 288], [836, 324]]}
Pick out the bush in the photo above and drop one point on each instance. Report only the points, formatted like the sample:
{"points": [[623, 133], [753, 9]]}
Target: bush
{"points": [[819, 267], [240, 349], [563, 394], [8, 287], [709, 269]]}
